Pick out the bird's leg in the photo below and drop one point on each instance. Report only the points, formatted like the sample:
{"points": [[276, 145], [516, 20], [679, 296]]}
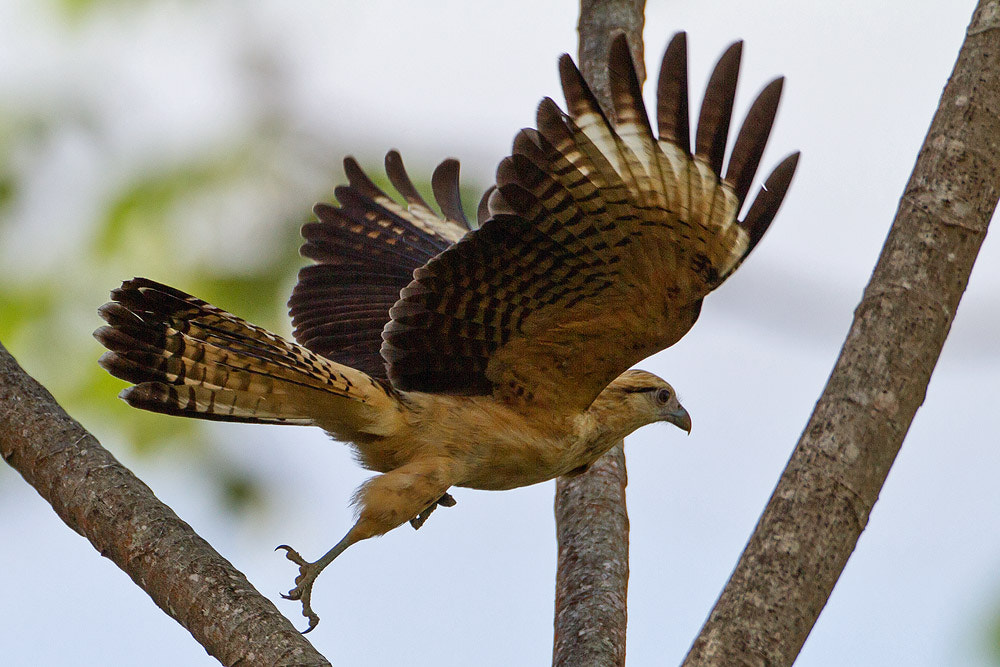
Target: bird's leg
{"points": [[308, 573], [444, 501], [384, 502]]}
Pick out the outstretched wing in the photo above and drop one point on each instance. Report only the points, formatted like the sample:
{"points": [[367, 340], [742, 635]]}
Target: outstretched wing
{"points": [[366, 250], [602, 243]]}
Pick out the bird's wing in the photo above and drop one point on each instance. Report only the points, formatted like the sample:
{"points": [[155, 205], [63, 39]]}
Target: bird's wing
{"points": [[365, 252], [602, 243]]}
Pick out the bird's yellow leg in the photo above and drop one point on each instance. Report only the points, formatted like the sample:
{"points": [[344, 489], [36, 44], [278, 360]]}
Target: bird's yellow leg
{"points": [[308, 573], [384, 502]]}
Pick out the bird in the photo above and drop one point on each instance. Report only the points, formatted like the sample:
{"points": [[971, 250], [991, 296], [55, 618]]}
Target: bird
{"points": [[491, 355]]}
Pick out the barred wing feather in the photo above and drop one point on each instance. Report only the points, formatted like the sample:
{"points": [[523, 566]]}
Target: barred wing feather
{"points": [[366, 250], [602, 242]]}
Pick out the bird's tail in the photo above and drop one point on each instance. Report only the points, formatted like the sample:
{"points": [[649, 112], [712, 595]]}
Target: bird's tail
{"points": [[187, 357]]}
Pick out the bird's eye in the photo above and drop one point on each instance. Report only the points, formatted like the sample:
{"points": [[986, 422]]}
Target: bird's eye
{"points": [[662, 396]]}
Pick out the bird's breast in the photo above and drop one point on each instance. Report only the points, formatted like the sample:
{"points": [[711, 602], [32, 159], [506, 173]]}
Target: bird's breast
{"points": [[489, 445], [520, 451]]}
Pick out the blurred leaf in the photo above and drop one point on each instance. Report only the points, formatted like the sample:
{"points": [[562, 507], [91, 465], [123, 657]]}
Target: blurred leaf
{"points": [[79, 9], [240, 492], [13, 129], [257, 298], [8, 188], [74, 8], [993, 640], [141, 209], [20, 307], [144, 431]]}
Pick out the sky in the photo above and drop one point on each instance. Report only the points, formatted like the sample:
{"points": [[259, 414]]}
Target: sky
{"points": [[457, 79]]}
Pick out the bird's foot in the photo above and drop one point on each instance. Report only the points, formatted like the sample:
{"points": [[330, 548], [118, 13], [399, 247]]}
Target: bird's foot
{"points": [[308, 573], [303, 584], [445, 501]]}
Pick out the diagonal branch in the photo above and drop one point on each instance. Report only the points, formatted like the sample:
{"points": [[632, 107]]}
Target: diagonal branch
{"points": [[591, 519], [100, 499], [823, 500]]}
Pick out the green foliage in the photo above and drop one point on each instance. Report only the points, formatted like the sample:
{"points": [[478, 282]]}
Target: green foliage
{"points": [[23, 310], [240, 491], [992, 639], [8, 175], [8, 186], [141, 210], [46, 319], [76, 10]]}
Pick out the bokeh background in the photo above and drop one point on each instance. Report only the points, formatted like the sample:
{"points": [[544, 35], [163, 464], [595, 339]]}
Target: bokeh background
{"points": [[186, 141]]}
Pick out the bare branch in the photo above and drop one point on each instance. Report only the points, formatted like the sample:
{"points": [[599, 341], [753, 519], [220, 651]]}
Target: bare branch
{"points": [[823, 500], [591, 519], [103, 501]]}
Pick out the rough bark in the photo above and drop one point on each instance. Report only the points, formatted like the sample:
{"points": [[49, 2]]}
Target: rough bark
{"points": [[591, 519], [823, 500], [103, 501]]}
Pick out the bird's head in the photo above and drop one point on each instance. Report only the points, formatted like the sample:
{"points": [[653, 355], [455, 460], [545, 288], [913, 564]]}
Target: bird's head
{"points": [[648, 399]]}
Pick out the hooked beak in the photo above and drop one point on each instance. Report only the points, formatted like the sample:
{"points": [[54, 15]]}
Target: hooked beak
{"points": [[680, 418]]}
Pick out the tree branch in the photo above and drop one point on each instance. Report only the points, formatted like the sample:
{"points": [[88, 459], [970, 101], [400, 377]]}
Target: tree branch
{"points": [[591, 519], [103, 501], [823, 500]]}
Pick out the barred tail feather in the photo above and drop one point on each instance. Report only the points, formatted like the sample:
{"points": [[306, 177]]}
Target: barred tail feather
{"points": [[214, 404], [187, 357]]}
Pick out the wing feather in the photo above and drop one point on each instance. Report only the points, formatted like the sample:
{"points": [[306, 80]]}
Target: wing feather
{"points": [[765, 206], [632, 124], [602, 241], [672, 96], [752, 139], [445, 185], [366, 250], [717, 108]]}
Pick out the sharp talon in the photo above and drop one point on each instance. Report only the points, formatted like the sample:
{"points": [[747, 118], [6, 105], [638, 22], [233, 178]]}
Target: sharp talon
{"points": [[292, 555], [313, 622], [304, 583]]}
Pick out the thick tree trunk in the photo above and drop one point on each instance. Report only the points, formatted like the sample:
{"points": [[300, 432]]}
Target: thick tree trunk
{"points": [[100, 499], [591, 520], [823, 500]]}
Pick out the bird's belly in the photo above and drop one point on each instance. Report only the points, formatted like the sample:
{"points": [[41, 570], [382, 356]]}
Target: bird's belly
{"points": [[501, 465]]}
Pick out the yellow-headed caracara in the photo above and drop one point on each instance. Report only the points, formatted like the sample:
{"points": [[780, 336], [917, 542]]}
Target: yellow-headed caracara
{"points": [[494, 357]]}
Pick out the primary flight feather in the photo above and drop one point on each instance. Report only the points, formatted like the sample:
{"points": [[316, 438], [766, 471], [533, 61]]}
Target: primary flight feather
{"points": [[493, 357]]}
